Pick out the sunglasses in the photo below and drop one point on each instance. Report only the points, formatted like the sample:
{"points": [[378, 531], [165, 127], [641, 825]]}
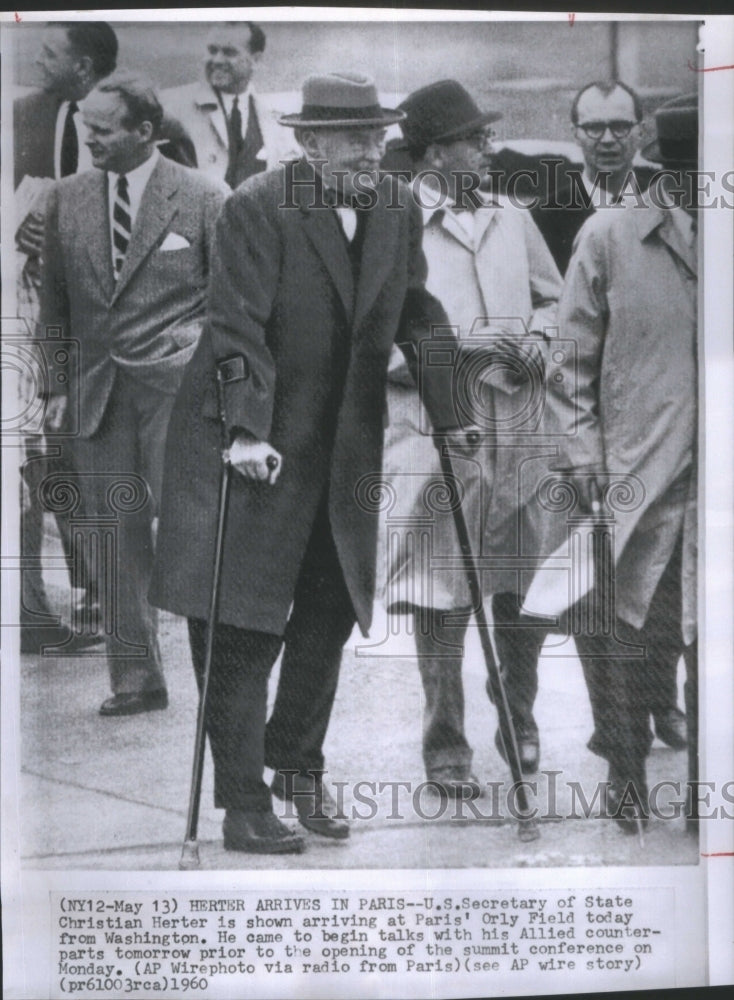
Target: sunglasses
{"points": [[595, 130]]}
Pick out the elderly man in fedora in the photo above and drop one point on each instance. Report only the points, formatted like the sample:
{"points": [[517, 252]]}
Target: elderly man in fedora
{"points": [[629, 303], [491, 269], [309, 291]]}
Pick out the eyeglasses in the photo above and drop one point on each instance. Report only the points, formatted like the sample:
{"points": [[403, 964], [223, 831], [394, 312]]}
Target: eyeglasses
{"points": [[478, 138], [595, 130]]}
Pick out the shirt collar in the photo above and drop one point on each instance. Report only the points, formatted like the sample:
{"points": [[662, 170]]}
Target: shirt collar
{"points": [[487, 201], [140, 176]]}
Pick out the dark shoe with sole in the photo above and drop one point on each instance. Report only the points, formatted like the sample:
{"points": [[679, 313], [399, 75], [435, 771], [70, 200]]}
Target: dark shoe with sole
{"points": [[528, 745], [57, 639], [259, 832], [316, 809], [454, 783], [133, 703], [670, 727]]}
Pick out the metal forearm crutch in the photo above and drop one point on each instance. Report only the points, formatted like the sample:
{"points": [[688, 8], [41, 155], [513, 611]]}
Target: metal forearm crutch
{"points": [[190, 850], [527, 824]]}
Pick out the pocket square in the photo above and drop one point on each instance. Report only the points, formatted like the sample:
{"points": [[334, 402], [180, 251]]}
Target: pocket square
{"points": [[174, 242]]}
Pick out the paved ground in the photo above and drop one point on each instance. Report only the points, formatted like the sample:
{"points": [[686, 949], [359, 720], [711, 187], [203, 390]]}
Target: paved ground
{"points": [[112, 793]]}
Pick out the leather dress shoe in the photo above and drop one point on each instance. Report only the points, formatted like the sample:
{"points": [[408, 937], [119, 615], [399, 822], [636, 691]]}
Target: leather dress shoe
{"points": [[316, 809], [528, 745], [133, 703], [627, 801], [671, 728], [454, 783], [259, 832]]}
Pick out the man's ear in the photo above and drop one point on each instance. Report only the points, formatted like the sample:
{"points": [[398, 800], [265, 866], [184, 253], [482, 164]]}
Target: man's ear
{"points": [[85, 68], [433, 156], [308, 140], [145, 131]]}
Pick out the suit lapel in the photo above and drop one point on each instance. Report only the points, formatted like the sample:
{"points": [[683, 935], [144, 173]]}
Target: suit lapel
{"points": [[377, 256], [95, 220], [154, 215], [322, 228]]}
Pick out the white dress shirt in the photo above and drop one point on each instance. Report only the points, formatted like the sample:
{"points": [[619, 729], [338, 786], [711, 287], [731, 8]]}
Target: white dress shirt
{"points": [[85, 157], [137, 181]]}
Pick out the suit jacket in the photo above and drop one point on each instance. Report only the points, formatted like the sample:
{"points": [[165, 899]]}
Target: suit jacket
{"points": [[149, 320], [34, 130], [197, 106], [311, 347], [560, 224], [627, 403]]}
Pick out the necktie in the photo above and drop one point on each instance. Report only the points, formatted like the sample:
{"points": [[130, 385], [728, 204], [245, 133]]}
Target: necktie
{"points": [[121, 223], [69, 143], [234, 141]]}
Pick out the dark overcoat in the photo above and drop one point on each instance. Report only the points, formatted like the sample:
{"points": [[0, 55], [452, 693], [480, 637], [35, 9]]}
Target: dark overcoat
{"points": [[315, 338]]}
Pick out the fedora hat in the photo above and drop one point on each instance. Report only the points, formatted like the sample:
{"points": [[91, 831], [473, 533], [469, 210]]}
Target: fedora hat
{"points": [[341, 100], [441, 112], [676, 124]]}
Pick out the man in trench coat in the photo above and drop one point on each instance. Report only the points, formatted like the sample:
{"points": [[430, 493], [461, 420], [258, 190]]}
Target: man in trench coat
{"points": [[305, 303], [629, 303]]}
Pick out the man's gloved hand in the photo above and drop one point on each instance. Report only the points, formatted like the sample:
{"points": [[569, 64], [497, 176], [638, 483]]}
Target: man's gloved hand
{"points": [[254, 459]]}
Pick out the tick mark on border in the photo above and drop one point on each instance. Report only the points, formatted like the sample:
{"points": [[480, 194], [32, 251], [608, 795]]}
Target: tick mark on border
{"points": [[571, 19], [707, 69]]}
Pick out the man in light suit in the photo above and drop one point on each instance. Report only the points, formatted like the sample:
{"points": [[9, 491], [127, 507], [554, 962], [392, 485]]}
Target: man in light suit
{"points": [[234, 129], [126, 260]]}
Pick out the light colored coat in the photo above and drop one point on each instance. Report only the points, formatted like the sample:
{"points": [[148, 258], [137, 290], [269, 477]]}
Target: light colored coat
{"points": [[149, 320], [501, 279], [629, 303], [197, 107]]}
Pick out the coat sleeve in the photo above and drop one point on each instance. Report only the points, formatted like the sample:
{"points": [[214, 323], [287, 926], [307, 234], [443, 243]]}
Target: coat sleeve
{"points": [[423, 318], [244, 276], [54, 310], [583, 316]]}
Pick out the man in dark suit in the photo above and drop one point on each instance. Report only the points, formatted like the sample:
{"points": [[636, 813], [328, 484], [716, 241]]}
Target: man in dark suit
{"points": [[49, 141], [308, 294], [606, 119], [126, 261]]}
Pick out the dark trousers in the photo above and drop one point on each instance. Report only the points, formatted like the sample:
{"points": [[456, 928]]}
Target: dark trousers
{"points": [[622, 688], [439, 639], [320, 623]]}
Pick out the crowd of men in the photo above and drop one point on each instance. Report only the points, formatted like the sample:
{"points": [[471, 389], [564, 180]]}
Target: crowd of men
{"points": [[238, 280]]}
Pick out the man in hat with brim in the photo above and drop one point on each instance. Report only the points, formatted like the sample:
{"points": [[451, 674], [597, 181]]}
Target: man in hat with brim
{"points": [[308, 294], [491, 269], [629, 303]]}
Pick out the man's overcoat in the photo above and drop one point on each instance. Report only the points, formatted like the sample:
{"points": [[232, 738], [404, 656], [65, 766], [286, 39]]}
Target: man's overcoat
{"points": [[314, 333], [627, 403]]}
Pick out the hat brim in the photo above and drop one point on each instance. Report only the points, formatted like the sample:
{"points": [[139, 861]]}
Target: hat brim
{"points": [[388, 116], [653, 152], [486, 118]]}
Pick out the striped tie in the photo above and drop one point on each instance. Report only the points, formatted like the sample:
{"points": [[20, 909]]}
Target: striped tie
{"points": [[121, 223]]}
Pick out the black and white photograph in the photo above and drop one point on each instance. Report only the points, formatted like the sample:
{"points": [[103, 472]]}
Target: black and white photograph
{"points": [[367, 480]]}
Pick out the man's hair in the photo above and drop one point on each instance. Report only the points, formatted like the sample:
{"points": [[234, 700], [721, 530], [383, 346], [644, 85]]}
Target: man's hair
{"points": [[606, 87], [257, 35], [139, 96], [94, 39]]}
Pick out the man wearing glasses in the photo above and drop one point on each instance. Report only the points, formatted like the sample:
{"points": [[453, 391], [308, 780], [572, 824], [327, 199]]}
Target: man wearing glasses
{"points": [[605, 118], [494, 275]]}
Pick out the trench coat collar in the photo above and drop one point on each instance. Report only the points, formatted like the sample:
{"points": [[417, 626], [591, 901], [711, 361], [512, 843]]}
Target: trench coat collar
{"points": [[487, 213], [657, 219]]}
